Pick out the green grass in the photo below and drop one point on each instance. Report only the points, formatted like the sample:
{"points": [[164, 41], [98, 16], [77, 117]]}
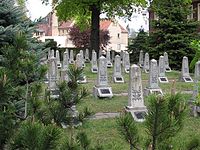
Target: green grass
{"points": [[105, 132]]}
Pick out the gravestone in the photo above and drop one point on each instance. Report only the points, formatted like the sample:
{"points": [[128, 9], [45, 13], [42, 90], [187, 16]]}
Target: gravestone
{"points": [[109, 63], [121, 55], [94, 67], [123, 58], [58, 59], [167, 68], [146, 63], [161, 71], [126, 62], [113, 56], [79, 64], [196, 81], [135, 95], [71, 57], [82, 58], [66, 59], [87, 59], [141, 59], [53, 77], [102, 89], [195, 94], [117, 74], [153, 87], [185, 75], [63, 74]]}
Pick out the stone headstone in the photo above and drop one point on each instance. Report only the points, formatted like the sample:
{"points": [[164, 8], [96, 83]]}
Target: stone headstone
{"points": [[58, 59], [185, 75], [113, 56], [161, 70], [87, 59], [52, 73], [82, 58], [146, 63], [167, 67], [153, 87], [71, 57], [135, 95], [123, 58], [126, 62], [94, 67], [196, 81], [102, 89], [63, 73], [79, 60], [141, 59], [109, 63], [117, 74], [79, 64], [66, 59]]}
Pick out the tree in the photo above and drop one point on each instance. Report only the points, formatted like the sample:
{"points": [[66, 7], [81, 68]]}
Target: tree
{"points": [[172, 32], [127, 127], [81, 39], [164, 119], [138, 44], [89, 11]]}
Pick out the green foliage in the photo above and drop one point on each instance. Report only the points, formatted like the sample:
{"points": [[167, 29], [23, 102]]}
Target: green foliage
{"points": [[83, 140], [33, 135], [128, 129], [138, 44], [172, 32], [195, 44], [164, 119], [194, 144], [81, 11]]}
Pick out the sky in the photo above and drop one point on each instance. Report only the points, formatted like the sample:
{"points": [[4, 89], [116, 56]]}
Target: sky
{"points": [[36, 9]]}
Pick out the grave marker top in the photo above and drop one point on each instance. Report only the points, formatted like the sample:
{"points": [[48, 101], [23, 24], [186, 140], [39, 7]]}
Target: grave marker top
{"points": [[197, 71], [65, 59], [161, 67], [185, 67], [78, 60], [153, 75], [102, 79], [141, 59], [117, 66], [135, 95], [146, 62], [166, 60]]}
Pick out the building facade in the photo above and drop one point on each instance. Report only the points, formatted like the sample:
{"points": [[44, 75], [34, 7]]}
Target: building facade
{"points": [[50, 28]]}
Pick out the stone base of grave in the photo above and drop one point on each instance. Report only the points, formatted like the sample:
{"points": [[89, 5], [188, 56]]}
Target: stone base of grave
{"points": [[118, 79], [59, 65], [138, 113], [87, 60], [83, 66], [109, 65], [94, 69], [148, 91], [146, 70], [186, 79], [71, 62], [168, 69], [126, 70], [102, 92], [83, 80], [54, 93], [163, 80]]}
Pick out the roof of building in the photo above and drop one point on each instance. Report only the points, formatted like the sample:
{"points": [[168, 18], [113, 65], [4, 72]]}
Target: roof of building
{"points": [[104, 25]]}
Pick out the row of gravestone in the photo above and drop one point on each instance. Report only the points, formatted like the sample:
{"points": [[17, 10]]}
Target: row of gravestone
{"points": [[102, 89]]}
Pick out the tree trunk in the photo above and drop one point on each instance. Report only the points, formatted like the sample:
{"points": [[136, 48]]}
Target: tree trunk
{"points": [[95, 25]]}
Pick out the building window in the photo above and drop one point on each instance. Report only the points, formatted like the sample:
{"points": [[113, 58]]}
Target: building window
{"points": [[190, 16], [198, 12], [118, 35], [118, 46]]}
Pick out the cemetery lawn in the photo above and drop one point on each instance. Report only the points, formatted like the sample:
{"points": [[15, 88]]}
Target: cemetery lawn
{"points": [[105, 132]]}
